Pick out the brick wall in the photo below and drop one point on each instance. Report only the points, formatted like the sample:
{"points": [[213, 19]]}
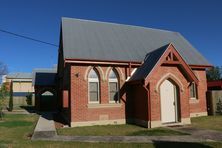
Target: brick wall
{"points": [[80, 108], [137, 103], [155, 81], [199, 105]]}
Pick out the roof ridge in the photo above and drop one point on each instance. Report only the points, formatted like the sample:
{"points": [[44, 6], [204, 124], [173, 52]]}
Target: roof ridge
{"points": [[119, 24]]}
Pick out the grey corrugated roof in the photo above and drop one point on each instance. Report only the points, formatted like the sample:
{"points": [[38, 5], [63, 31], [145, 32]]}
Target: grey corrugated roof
{"points": [[19, 75], [150, 61], [44, 76], [46, 70], [84, 39]]}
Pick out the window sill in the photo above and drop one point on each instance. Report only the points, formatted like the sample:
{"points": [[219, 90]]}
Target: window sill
{"points": [[194, 100], [114, 102], [111, 105]]}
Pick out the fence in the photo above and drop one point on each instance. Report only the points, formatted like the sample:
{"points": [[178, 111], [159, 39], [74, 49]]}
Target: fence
{"points": [[214, 102]]}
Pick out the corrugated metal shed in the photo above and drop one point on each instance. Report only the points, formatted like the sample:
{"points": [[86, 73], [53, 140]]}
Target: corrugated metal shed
{"points": [[44, 77], [84, 39]]}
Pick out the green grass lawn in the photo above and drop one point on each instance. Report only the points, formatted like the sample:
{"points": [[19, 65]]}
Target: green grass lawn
{"points": [[117, 130], [209, 122], [17, 135], [15, 131]]}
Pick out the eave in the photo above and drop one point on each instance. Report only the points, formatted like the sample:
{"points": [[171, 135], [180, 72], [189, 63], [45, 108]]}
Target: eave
{"points": [[102, 62], [200, 66]]}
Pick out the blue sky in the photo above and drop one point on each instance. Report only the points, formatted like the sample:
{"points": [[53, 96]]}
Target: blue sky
{"points": [[200, 22]]}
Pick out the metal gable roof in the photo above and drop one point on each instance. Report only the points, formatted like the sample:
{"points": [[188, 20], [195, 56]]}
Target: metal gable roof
{"points": [[44, 79], [84, 39], [19, 75], [150, 61]]}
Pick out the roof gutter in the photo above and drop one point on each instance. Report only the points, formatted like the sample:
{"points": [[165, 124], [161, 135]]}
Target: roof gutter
{"points": [[101, 62], [200, 66]]}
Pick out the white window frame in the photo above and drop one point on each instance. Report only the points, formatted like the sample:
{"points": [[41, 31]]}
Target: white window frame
{"points": [[98, 92], [116, 80], [195, 91]]}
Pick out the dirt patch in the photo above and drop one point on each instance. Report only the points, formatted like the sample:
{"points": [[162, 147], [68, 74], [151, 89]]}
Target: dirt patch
{"points": [[59, 120], [29, 136]]}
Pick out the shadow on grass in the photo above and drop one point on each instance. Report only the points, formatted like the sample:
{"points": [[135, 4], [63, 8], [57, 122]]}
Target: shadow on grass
{"points": [[59, 120], [30, 109], [15, 123], [158, 132], [4, 143], [158, 144]]}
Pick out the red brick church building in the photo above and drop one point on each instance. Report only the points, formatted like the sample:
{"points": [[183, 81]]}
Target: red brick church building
{"points": [[114, 74]]}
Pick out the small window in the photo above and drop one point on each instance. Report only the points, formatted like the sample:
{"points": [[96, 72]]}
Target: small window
{"points": [[113, 87], [93, 86], [193, 91]]}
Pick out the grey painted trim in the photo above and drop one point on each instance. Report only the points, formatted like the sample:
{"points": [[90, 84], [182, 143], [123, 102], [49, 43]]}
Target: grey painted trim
{"points": [[98, 122], [110, 105]]}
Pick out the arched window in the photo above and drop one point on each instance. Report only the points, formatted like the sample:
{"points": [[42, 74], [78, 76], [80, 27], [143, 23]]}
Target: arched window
{"points": [[93, 80], [113, 87]]}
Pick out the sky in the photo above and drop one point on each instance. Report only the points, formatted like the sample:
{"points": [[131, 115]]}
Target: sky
{"points": [[199, 21]]}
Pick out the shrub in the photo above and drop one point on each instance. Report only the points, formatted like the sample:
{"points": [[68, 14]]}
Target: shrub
{"points": [[219, 107], [29, 98], [10, 105]]}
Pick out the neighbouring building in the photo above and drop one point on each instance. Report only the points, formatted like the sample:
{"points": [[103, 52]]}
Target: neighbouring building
{"points": [[214, 85], [114, 74], [20, 85], [214, 97]]}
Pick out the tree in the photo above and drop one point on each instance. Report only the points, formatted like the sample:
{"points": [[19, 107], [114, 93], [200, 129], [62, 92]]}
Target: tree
{"points": [[10, 103], [3, 69], [215, 73], [4, 93]]}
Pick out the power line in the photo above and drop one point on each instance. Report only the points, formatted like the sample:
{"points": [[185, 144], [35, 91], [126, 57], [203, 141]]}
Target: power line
{"points": [[28, 38]]}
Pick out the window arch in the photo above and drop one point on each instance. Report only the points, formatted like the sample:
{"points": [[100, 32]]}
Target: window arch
{"points": [[93, 86], [113, 86]]}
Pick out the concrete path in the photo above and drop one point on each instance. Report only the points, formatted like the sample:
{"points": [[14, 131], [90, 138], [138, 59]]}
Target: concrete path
{"points": [[45, 130], [45, 127], [200, 133], [22, 111], [127, 139]]}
